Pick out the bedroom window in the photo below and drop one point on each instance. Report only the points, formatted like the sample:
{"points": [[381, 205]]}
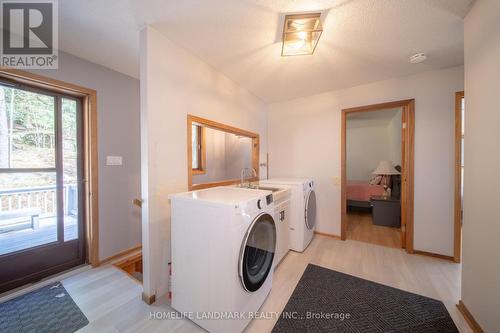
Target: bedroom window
{"points": [[198, 149]]}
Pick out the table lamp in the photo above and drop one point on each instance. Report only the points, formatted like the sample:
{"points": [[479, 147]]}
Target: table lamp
{"points": [[385, 169]]}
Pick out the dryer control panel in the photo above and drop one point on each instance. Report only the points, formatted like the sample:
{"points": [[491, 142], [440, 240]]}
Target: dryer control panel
{"points": [[268, 201], [255, 206], [307, 187]]}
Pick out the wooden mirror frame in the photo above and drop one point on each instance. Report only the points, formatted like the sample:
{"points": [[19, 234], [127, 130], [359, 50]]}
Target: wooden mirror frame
{"points": [[225, 128]]}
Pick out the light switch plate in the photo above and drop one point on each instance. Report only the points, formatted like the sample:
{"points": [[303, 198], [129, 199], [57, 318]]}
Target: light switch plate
{"points": [[114, 160]]}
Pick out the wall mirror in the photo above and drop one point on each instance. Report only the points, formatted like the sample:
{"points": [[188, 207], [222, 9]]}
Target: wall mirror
{"points": [[217, 153]]}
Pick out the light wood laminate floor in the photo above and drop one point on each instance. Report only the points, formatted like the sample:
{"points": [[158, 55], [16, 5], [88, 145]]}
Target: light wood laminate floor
{"points": [[111, 300], [360, 227]]}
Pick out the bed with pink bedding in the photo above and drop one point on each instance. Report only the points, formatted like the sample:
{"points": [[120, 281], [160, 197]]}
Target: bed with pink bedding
{"points": [[362, 191]]}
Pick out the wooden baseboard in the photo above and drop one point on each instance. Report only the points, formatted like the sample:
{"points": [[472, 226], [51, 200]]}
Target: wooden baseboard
{"points": [[469, 317], [326, 234], [434, 255], [120, 255], [148, 299]]}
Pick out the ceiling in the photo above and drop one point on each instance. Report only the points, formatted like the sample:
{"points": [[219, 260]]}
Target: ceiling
{"points": [[363, 40]]}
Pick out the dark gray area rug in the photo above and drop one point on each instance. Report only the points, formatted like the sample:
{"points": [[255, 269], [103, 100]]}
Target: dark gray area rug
{"points": [[328, 301], [48, 309]]}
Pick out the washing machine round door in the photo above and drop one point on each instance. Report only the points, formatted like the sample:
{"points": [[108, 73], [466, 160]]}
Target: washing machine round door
{"points": [[310, 213], [257, 252]]}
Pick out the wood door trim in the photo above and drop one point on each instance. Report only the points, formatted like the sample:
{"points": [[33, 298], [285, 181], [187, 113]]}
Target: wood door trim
{"points": [[457, 232], [90, 156], [407, 175]]}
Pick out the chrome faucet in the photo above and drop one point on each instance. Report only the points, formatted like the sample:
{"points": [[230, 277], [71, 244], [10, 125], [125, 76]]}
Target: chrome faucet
{"points": [[242, 178]]}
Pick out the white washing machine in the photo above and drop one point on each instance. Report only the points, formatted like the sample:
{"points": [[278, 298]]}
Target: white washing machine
{"points": [[303, 202], [223, 245], [282, 208]]}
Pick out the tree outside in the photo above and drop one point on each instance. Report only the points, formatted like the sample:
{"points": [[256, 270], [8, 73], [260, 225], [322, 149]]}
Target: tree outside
{"points": [[28, 140]]}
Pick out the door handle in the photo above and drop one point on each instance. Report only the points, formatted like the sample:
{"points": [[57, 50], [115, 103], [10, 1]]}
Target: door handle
{"points": [[138, 202]]}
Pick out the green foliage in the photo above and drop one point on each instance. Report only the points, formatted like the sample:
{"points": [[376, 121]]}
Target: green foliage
{"points": [[33, 116], [31, 133]]}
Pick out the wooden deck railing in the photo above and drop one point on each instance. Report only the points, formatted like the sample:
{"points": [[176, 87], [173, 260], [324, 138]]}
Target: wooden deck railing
{"points": [[44, 198]]}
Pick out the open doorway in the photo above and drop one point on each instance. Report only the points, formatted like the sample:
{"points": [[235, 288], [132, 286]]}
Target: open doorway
{"points": [[377, 174], [373, 168]]}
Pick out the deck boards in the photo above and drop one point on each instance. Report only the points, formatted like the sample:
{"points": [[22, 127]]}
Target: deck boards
{"points": [[22, 239]]}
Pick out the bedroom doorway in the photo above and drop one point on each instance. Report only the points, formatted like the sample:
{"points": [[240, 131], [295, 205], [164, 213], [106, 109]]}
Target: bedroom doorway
{"points": [[377, 174]]}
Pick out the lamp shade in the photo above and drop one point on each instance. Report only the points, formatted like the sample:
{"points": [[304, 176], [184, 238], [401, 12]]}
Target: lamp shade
{"points": [[385, 168]]}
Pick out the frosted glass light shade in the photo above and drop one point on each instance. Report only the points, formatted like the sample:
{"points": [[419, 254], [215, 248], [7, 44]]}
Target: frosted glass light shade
{"points": [[301, 34]]}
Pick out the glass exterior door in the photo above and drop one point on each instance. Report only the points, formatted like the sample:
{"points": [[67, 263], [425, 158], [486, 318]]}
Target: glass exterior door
{"points": [[41, 225]]}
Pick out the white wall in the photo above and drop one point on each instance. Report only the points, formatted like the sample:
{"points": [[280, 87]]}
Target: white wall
{"points": [[118, 111], [173, 84], [481, 226], [369, 141], [304, 141]]}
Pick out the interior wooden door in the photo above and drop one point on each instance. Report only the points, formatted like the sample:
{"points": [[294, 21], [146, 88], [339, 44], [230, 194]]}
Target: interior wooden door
{"points": [[407, 174]]}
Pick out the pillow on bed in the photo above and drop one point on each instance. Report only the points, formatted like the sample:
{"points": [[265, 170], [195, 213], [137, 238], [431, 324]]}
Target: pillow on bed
{"points": [[376, 179]]}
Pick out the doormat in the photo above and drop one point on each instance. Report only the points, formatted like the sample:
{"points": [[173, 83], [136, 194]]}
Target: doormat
{"points": [[48, 309], [328, 301]]}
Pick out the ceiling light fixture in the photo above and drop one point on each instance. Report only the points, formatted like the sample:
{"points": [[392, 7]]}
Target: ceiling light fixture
{"points": [[301, 34], [418, 58]]}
